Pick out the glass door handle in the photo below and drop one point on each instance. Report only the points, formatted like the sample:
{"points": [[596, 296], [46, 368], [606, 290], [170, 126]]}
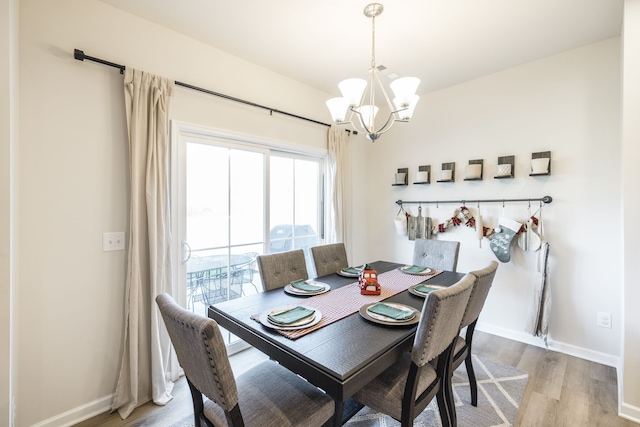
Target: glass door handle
{"points": [[186, 252]]}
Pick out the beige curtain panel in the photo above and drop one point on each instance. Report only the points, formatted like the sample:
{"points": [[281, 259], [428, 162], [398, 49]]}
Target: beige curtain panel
{"points": [[147, 353], [339, 181]]}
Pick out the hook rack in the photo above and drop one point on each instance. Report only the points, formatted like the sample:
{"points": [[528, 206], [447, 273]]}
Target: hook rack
{"points": [[545, 199]]}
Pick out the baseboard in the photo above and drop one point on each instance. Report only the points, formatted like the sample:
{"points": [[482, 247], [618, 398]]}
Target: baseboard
{"points": [[78, 414], [572, 350], [629, 412]]}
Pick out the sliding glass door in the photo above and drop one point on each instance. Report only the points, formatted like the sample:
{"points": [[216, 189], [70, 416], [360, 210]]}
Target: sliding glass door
{"points": [[232, 201]]}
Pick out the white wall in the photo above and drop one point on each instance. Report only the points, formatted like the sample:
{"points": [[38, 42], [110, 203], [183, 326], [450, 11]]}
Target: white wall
{"points": [[74, 178], [630, 392], [73, 184], [568, 104], [8, 198]]}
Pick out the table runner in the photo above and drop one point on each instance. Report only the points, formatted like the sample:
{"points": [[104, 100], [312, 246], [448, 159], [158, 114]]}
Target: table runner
{"points": [[342, 302]]}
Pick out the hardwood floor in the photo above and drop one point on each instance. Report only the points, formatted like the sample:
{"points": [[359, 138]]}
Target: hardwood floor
{"points": [[562, 390]]}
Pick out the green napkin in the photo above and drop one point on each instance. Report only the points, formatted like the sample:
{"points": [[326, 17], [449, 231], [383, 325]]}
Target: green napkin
{"points": [[392, 312], [291, 316], [304, 286], [425, 289], [351, 270], [414, 269]]}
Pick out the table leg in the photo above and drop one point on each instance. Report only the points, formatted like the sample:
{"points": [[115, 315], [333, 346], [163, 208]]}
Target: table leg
{"points": [[345, 410]]}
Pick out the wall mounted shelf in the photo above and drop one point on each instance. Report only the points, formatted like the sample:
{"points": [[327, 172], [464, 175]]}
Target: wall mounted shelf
{"points": [[542, 155], [474, 162], [406, 176], [427, 169], [452, 167], [506, 160]]}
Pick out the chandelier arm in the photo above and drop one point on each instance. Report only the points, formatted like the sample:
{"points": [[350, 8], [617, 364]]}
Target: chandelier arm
{"points": [[364, 127], [387, 125], [384, 92]]}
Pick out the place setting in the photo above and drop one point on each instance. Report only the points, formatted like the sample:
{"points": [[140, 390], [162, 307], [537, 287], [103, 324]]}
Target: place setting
{"points": [[349, 272], [306, 288], [416, 270], [391, 314], [290, 318], [423, 289]]}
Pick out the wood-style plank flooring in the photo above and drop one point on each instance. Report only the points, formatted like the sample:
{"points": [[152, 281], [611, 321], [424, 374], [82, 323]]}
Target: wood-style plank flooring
{"points": [[562, 390]]}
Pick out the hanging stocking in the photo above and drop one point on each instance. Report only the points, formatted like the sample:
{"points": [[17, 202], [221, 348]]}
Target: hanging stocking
{"points": [[504, 235]]}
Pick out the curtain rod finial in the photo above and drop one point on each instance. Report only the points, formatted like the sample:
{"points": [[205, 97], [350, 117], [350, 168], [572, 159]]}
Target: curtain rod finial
{"points": [[78, 54]]}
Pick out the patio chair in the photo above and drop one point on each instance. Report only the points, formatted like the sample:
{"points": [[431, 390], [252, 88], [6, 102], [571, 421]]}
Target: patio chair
{"points": [[436, 254], [280, 269], [406, 388], [329, 258], [462, 352], [266, 395], [245, 273]]}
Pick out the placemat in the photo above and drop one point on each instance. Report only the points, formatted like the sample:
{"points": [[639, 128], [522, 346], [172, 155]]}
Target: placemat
{"points": [[342, 302]]}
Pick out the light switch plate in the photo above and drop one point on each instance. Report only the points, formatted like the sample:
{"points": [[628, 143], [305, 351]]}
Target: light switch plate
{"points": [[113, 241]]}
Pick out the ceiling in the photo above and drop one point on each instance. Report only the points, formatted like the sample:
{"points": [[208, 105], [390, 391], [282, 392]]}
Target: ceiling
{"points": [[443, 42]]}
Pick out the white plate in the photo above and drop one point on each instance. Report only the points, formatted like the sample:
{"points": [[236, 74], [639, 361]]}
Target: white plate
{"points": [[346, 273], [391, 322], [382, 318], [294, 291], [414, 291], [424, 272], [315, 318]]}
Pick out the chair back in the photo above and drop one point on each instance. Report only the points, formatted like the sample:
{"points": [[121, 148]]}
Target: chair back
{"points": [[440, 320], [329, 258], [201, 352], [278, 270], [437, 254], [484, 279]]}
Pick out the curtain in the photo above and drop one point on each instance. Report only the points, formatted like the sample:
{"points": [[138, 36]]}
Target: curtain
{"points": [[340, 184], [147, 350]]}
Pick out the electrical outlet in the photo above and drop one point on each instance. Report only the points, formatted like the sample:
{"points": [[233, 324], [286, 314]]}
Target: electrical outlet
{"points": [[604, 320], [113, 241]]}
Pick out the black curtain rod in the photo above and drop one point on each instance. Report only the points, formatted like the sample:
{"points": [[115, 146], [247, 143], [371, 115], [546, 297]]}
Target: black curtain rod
{"points": [[545, 199], [80, 56]]}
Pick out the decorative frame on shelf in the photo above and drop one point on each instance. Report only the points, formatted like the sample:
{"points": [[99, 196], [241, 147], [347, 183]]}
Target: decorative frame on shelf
{"points": [[506, 160], [406, 176], [541, 155], [426, 168], [475, 162], [449, 166]]}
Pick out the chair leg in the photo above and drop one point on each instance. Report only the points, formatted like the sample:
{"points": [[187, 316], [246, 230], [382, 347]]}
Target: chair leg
{"points": [[473, 385], [443, 407]]}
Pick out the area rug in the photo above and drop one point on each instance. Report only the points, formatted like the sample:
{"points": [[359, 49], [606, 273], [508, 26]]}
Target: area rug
{"points": [[500, 390]]}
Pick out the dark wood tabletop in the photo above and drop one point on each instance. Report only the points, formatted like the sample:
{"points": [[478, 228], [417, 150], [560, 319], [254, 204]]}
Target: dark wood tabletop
{"points": [[339, 358]]}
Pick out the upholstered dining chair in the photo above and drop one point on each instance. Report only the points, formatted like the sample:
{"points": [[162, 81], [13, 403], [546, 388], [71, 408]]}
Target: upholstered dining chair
{"points": [[405, 389], [329, 258], [462, 352], [265, 395], [279, 269], [436, 254]]}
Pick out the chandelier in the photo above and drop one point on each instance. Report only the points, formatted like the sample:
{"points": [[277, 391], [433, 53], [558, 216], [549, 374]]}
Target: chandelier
{"points": [[358, 95]]}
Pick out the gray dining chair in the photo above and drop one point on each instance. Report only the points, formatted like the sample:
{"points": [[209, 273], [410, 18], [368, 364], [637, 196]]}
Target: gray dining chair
{"points": [[436, 254], [406, 388], [278, 270], [329, 258], [462, 352], [265, 395]]}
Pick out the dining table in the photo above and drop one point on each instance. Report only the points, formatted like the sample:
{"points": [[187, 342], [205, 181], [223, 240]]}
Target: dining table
{"points": [[345, 354]]}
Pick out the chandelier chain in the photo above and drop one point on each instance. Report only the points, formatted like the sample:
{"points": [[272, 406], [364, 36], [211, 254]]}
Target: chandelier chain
{"points": [[373, 42]]}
